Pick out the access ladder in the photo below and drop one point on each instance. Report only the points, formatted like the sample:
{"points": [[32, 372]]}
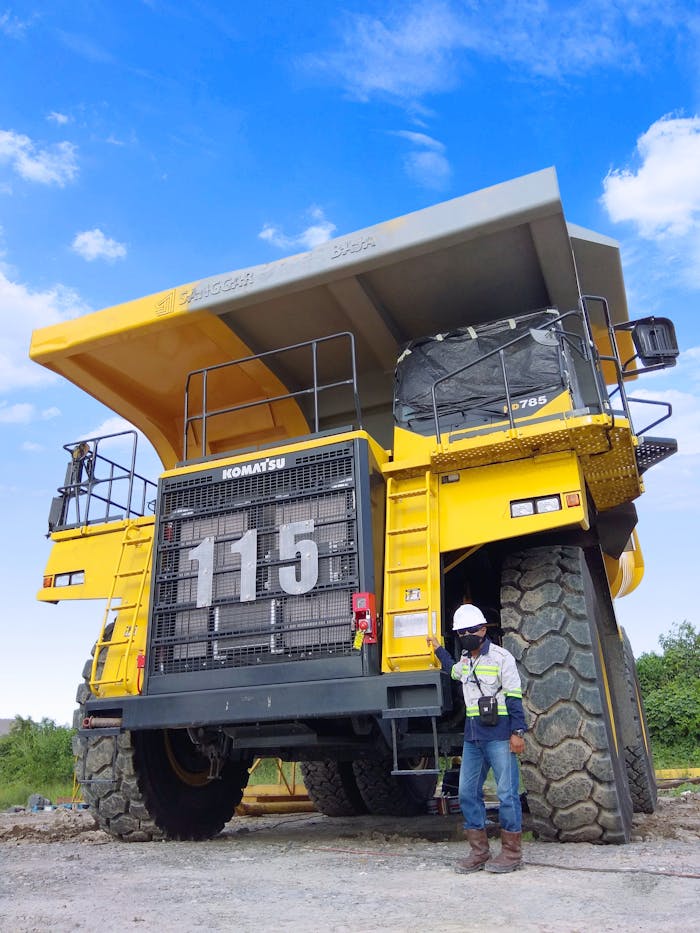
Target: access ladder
{"points": [[125, 609]]}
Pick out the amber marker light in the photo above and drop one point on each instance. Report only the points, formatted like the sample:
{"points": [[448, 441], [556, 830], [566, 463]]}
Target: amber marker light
{"points": [[48, 581], [573, 499]]}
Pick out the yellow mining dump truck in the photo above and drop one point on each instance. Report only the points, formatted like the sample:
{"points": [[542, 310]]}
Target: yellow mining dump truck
{"points": [[323, 508]]}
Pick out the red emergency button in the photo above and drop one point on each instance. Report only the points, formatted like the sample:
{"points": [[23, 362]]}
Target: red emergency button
{"points": [[365, 616]]}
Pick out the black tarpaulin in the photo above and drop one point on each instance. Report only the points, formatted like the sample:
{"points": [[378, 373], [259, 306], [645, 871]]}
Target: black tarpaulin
{"points": [[475, 393]]}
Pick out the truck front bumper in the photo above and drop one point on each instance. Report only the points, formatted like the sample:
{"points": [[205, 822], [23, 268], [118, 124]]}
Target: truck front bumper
{"points": [[388, 696]]}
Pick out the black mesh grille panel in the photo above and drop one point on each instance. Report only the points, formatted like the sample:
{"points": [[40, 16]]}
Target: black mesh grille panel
{"points": [[254, 569]]}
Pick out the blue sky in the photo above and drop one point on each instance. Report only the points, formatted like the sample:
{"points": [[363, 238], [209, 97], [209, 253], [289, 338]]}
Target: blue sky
{"points": [[148, 143]]}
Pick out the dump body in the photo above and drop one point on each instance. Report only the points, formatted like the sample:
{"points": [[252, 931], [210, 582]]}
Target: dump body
{"points": [[324, 508], [486, 256]]}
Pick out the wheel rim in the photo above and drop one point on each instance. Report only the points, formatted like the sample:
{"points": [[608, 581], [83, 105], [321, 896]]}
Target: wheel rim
{"points": [[189, 777]]}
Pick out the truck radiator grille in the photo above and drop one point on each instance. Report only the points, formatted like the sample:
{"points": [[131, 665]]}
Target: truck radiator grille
{"points": [[231, 591]]}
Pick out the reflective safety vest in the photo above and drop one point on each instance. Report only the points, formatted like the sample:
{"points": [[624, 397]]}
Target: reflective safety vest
{"points": [[495, 670]]}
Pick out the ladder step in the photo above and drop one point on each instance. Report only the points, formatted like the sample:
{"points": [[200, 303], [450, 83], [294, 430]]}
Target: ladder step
{"points": [[113, 643], [408, 531], [408, 494], [413, 607], [418, 771], [137, 591], [406, 569]]}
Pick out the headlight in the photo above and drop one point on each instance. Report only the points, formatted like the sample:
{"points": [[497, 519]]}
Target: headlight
{"points": [[539, 506], [548, 504]]}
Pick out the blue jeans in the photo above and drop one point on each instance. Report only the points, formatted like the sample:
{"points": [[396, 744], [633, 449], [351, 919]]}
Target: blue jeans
{"points": [[477, 758]]}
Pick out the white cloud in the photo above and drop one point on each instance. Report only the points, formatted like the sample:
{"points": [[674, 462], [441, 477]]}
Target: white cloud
{"points": [[429, 169], [404, 56], [32, 448], [422, 47], [673, 484], [117, 425], [49, 413], [55, 165], [679, 387], [120, 448], [12, 26], [20, 413], [684, 423], [421, 139], [21, 311], [427, 164], [60, 118], [93, 244], [662, 197], [318, 232], [86, 47]]}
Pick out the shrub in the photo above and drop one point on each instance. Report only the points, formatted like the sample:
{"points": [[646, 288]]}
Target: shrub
{"points": [[670, 685], [36, 753]]}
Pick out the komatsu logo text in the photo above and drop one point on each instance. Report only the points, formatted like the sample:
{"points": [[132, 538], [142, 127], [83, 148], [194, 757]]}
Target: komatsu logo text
{"points": [[252, 469]]}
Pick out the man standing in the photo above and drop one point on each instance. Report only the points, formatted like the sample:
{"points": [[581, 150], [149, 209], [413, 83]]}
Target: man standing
{"points": [[493, 736]]}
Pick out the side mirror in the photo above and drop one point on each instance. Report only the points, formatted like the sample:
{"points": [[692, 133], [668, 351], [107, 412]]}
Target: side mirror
{"points": [[654, 339]]}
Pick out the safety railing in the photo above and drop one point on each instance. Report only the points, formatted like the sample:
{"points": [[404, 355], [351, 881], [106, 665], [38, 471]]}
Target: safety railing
{"points": [[624, 370], [551, 331], [580, 342], [97, 488], [313, 390]]}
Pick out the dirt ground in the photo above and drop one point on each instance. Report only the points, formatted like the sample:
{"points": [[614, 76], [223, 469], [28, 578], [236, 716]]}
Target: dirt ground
{"points": [[308, 872]]}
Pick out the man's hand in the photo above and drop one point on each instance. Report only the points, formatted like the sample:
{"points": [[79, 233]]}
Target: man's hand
{"points": [[433, 642], [517, 744]]}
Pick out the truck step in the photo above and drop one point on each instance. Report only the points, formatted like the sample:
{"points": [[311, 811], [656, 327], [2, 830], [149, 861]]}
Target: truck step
{"points": [[408, 494], [407, 531], [417, 771], [407, 569]]}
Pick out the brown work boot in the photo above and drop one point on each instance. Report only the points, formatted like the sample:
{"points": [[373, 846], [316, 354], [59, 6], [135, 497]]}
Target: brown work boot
{"points": [[480, 853], [510, 856]]}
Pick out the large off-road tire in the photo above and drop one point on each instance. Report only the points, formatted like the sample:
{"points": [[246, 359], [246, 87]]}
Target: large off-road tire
{"points": [[638, 757], [386, 794], [144, 786], [573, 766], [332, 787]]}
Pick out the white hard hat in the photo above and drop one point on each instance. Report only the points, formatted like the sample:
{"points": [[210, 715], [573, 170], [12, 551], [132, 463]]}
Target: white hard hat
{"points": [[468, 616]]}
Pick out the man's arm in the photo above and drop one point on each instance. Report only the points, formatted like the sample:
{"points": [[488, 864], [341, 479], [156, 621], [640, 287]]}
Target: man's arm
{"points": [[510, 684], [446, 660]]}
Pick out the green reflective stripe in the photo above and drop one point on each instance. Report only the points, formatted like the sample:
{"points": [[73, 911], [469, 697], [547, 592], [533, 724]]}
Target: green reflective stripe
{"points": [[473, 711], [484, 669], [515, 693]]}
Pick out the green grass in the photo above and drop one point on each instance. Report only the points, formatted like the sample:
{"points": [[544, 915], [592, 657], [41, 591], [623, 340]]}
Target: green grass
{"points": [[676, 756], [266, 772], [17, 793]]}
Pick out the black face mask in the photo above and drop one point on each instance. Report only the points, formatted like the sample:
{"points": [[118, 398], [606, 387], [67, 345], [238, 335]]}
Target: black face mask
{"points": [[471, 642]]}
